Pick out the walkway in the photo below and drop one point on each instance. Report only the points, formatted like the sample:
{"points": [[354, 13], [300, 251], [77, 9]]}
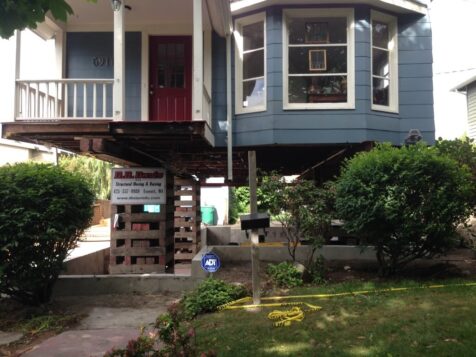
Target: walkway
{"points": [[104, 327]]}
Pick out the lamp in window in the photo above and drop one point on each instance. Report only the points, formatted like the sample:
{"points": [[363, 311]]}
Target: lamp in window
{"points": [[116, 4]]}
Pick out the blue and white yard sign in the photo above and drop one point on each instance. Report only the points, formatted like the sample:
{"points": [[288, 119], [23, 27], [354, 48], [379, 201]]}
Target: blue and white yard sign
{"points": [[210, 262]]}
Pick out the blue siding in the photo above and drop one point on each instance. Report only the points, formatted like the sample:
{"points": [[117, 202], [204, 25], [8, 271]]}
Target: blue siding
{"points": [[83, 47], [277, 126], [219, 89]]}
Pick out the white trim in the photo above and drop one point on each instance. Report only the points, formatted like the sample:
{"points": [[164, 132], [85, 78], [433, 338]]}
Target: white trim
{"points": [[119, 87], [393, 106], [239, 23], [16, 101], [145, 97], [197, 66], [398, 6], [348, 13]]}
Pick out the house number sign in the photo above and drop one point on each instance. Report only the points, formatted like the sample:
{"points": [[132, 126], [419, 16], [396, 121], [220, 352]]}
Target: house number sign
{"points": [[102, 61], [138, 186]]}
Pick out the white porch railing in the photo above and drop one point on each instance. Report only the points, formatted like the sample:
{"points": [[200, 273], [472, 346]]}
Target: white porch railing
{"points": [[64, 99]]}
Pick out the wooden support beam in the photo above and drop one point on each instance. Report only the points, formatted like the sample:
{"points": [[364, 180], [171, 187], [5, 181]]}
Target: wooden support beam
{"points": [[254, 232], [102, 148]]}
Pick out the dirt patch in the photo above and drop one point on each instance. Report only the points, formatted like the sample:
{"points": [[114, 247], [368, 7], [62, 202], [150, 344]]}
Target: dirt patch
{"points": [[460, 264]]}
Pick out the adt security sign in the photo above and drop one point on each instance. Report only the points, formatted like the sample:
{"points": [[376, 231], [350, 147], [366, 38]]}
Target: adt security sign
{"points": [[210, 262]]}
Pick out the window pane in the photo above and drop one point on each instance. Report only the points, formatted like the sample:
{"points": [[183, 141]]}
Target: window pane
{"points": [[380, 62], [326, 89], [253, 36], [380, 36], [381, 91], [303, 60], [253, 93], [253, 64], [318, 30]]}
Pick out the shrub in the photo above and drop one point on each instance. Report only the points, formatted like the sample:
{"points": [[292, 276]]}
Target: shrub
{"points": [[173, 336], [43, 212], [285, 275], [303, 209], [210, 294], [406, 202]]}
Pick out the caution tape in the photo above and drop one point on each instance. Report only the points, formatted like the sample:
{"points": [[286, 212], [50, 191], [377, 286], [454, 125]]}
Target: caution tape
{"points": [[296, 314]]}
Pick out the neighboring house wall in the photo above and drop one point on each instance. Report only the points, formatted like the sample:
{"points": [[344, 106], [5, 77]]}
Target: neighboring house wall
{"points": [[84, 47], [12, 152], [471, 98], [278, 126]]}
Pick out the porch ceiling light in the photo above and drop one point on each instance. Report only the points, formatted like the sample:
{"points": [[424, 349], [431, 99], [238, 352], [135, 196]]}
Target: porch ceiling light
{"points": [[116, 5]]}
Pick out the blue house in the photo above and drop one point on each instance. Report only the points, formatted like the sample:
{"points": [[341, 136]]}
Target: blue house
{"points": [[192, 85]]}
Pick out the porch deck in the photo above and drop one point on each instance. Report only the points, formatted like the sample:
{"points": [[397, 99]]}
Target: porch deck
{"points": [[181, 147]]}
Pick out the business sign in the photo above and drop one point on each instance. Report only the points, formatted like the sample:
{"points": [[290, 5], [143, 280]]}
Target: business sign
{"points": [[210, 262], [138, 186]]}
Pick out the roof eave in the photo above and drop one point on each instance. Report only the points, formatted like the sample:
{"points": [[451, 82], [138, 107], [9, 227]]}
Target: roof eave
{"points": [[398, 6], [462, 86]]}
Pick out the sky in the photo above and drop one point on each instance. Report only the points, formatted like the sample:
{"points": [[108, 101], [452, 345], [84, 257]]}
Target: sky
{"points": [[454, 61], [454, 57]]}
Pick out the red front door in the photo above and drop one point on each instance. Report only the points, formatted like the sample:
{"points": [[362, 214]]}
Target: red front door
{"points": [[170, 78]]}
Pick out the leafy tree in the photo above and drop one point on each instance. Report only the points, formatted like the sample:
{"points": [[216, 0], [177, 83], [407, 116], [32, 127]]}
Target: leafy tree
{"points": [[405, 202], [43, 212], [96, 172], [22, 14], [303, 209], [462, 151]]}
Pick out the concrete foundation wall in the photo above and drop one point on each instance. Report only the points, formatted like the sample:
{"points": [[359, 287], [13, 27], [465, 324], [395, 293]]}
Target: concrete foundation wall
{"points": [[279, 254], [91, 264], [225, 235]]}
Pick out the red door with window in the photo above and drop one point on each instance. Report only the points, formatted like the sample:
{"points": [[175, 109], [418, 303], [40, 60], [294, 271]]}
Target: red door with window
{"points": [[170, 78]]}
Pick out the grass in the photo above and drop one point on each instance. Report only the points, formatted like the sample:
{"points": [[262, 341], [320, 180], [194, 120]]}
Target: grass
{"points": [[437, 322]]}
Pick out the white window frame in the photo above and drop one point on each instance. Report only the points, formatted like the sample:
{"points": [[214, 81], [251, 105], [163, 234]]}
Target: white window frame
{"points": [[318, 12], [393, 62], [239, 23]]}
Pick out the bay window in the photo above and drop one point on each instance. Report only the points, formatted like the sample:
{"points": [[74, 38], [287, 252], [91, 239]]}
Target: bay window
{"points": [[250, 64], [384, 62], [318, 59]]}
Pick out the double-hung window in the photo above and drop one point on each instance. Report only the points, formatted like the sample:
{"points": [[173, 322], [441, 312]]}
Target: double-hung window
{"points": [[250, 64], [318, 59], [384, 62]]}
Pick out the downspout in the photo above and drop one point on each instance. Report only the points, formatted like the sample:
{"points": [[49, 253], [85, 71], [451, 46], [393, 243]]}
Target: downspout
{"points": [[228, 108]]}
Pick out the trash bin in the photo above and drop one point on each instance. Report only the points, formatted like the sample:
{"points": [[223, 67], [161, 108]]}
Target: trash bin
{"points": [[209, 215]]}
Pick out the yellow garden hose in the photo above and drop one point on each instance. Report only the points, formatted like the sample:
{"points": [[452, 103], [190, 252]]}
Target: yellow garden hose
{"points": [[296, 313]]}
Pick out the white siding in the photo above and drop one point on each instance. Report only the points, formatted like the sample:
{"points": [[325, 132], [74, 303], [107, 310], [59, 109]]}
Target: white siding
{"points": [[472, 110]]}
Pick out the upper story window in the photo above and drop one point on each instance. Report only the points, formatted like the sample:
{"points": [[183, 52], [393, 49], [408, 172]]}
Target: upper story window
{"points": [[250, 64], [318, 59], [384, 62]]}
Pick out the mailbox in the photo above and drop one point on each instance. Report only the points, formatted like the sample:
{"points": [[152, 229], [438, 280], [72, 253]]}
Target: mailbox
{"points": [[254, 221]]}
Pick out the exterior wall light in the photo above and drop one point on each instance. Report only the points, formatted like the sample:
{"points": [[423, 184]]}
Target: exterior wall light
{"points": [[116, 5], [414, 136]]}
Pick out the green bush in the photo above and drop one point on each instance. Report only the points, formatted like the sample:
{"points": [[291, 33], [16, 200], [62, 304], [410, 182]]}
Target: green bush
{"points": [[285, 275], [43, 211], [405, 202], [210, 294]]}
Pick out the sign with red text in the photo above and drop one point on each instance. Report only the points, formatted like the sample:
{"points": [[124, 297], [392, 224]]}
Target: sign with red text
{"points": [[138, 186]]}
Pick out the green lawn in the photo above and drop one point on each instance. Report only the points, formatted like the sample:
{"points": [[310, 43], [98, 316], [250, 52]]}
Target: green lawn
{"points": [[437, 322]]}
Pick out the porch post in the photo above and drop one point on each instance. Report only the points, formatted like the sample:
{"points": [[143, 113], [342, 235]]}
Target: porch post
{"points": [[118, 97], [197, 85], [16, 109]]}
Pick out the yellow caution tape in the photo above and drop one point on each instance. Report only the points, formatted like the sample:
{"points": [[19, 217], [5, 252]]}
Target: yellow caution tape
{"points": [[296, 314]]}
